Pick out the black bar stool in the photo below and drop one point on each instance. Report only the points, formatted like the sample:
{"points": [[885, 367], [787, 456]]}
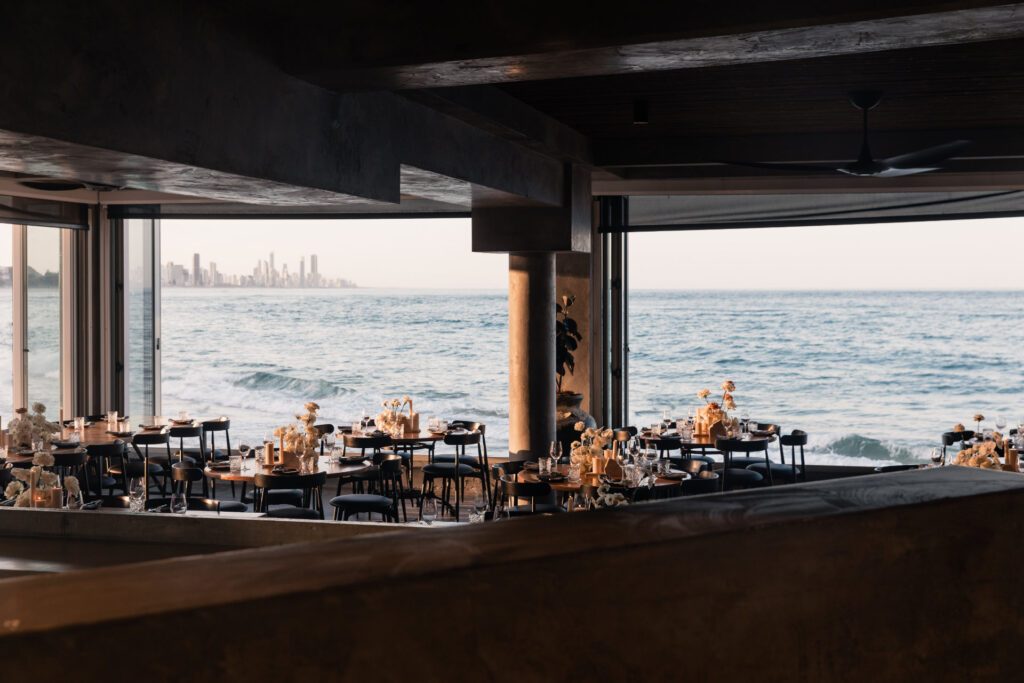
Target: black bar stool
{"points": [[453, 474], [480, 461]]}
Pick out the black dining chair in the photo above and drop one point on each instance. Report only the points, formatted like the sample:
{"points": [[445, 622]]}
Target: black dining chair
{"points": [[510, 469], [453, 475], [385, 503], [141, 443], [376, 446], [72, 463], [705, 481], [951, 438], [183, 476], [739, 477], [479, 461], [537, 495], [311, 485], [182, 432], [210, 429]]}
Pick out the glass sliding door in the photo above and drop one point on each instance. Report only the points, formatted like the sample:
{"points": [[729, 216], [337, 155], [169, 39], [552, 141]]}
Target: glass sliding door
{"points": [[7, 399], [142, 317], [42, 299]]}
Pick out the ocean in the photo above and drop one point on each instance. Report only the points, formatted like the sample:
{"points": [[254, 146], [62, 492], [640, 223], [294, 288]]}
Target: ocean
{"points": [[873, 377]]}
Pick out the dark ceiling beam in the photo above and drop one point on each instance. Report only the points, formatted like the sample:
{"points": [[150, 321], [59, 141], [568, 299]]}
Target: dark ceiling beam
{"points": [[800, 38], [497, 112], [100, 93], [942, 181], [986, 143]]}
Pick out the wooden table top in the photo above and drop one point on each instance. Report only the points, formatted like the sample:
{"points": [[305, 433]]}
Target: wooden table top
{"points": [[567, 486], [251, 466], [703, 440]]}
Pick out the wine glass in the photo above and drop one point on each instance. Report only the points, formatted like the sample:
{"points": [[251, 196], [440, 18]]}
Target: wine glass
{"points": [[936, 457], [429, 512], [480, 506], [179, 504], [1000, 423], [243, 450], [555, 451]]}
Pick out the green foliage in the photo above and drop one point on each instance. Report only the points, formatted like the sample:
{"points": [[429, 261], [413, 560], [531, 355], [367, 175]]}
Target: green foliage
{"points": [[567, 339]]}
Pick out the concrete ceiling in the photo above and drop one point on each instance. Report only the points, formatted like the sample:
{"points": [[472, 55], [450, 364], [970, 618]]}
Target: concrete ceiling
{"points": [[404, 106]]}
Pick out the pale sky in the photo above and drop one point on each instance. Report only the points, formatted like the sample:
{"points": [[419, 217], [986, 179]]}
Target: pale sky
{"points": [[435, 253]]}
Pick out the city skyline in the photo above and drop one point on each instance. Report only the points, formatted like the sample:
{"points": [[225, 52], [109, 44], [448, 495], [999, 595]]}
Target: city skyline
{"points": [[264, 274]]}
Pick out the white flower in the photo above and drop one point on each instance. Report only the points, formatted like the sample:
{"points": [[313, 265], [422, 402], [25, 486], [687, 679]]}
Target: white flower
{"points": [[38, 408], [24, 500], [47, 478], [13, 489], [43, 458], [579, 426], [71, 485], [21, 474]]}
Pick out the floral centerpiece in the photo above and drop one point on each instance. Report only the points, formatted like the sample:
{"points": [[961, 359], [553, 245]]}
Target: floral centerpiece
{"points": [[391, 420], [983, 455], [304, 445], [606, 498], [978, 419], [713, 411], [27, 429], [590, 447], [35, 486]]}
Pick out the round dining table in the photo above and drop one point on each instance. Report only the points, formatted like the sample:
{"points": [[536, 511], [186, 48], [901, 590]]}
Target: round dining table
{"points": [[329, 465], [590, 479]]}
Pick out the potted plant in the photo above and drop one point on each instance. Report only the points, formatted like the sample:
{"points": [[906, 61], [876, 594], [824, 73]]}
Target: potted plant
{"points": [[568, 403]]}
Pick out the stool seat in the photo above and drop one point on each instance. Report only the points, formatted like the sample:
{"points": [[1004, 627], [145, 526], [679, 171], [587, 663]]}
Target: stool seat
{"points": [[233, 506], [162, 459], [135, 469], [448, 470], [447, 459], [675, 459], [279, 497], [293, 513], [736, 478], [745, 461], [780, 472], [354, 503]]}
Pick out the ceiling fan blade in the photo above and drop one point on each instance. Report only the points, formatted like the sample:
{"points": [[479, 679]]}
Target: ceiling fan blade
{"points": [[927, 156], [793, 168], [896, 172]]}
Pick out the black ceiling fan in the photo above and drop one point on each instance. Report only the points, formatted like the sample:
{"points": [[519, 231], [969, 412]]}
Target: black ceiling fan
{"points": [[921, 161]]}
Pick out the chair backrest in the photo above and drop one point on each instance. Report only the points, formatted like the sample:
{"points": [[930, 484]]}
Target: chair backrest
{"points": [[469, 425], [622, 434], [511, 466], [152, 438], [95, 418], [704, 482], [323, 429], [270, 482], [950, 438], [115, 449], [694, 466], [531, 490], [186, 432], [74, 458], [360, 441], [668, 443], [220, 424], [741, 446], [186, 473], [794, 439], [466, 439]]}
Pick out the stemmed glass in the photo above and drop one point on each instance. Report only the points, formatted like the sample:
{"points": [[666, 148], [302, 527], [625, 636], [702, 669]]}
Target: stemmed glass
{"points": [[1000, 423], [555, 451], [137, 494], [936, 457]]}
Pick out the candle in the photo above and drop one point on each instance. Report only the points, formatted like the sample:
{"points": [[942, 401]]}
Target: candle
{"points": [[268, 454]]}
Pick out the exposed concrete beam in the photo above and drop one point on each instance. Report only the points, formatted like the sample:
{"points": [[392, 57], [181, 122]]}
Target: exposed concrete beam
{"points": [[780, 40], [843, 146], [941, 181], [496, 111], [116, 101]]}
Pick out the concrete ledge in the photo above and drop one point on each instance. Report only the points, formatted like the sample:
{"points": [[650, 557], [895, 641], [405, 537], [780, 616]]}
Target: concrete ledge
{"points": [[883, 577]]}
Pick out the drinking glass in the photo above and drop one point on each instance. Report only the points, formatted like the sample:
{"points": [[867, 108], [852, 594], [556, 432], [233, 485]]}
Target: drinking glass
{"points": [[555, 451], [936, 457], [543, 467], [480, 506], [429, 513], [574, 474], [183, 415], [137, 494], [179, 503], [235, 463], [1000, 422], [665, 416], [111, 419], [243, 450], [79, 424]]}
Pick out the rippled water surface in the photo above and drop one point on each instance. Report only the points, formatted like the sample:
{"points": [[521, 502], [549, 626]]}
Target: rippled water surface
{"points": [[872, 376]]}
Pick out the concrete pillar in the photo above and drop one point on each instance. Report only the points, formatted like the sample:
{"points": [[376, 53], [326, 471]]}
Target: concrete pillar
{"points": [[531, 353]]}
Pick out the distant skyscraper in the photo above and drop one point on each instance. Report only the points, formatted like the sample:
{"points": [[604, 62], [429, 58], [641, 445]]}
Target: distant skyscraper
{"points": [[213, 275], [197, 275], [271, 261], [302, 271], [314, 273]]}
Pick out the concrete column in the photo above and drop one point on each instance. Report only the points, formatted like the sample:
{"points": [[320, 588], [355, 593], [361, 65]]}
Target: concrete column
{"points": [[531, 353]]}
